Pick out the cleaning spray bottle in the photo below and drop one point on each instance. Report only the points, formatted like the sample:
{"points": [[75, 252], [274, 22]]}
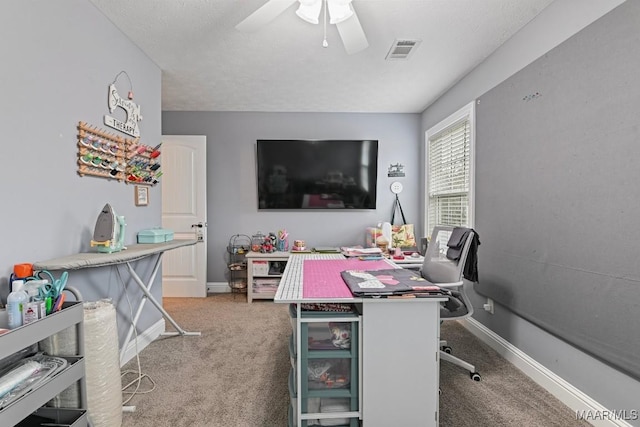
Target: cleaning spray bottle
{"points": [[15, 301]]}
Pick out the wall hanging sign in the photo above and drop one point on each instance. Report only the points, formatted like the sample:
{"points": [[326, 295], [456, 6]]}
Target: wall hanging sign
{"points": [[130, 125], [395, 170]]}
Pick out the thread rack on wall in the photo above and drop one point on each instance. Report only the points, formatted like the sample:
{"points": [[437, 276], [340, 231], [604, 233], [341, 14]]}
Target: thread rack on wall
{"points": [[110, 156], [100, 153], [143, 164]]}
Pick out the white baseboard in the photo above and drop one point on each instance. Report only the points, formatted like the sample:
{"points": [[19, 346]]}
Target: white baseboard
{"points": [[595, 413], [144, 339], [217, 287]]}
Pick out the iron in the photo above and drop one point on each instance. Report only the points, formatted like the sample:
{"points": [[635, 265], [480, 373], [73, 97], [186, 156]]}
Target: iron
{"points": [[108, 236]]}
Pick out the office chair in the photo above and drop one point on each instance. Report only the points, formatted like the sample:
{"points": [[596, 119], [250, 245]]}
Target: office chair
{"points": [[447, 273]]}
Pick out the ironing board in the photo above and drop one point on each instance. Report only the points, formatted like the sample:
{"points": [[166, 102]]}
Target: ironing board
{"points": [[132, 253]]}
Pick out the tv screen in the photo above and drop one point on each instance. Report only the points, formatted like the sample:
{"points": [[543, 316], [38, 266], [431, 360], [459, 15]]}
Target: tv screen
{"points": [[312, 174]]}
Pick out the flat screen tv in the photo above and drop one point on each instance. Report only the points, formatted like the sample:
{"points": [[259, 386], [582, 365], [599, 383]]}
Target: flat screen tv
{"points": [[317, 174]]}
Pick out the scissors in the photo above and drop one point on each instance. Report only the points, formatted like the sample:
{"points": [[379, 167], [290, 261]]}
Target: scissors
{"points": [[54, 287]]}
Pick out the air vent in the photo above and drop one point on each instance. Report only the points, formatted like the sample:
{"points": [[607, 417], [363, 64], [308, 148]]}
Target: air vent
{"points": [[402, 49]]}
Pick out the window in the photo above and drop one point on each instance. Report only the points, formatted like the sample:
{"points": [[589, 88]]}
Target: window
{"points": [[449, 171]]}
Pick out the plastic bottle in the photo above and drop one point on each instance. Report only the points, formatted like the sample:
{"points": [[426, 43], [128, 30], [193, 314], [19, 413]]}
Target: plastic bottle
{"points": [[15, 301], [31, 308]]}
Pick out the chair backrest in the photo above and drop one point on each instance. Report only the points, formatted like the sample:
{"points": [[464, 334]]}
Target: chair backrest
{"points": [[437, 268]]}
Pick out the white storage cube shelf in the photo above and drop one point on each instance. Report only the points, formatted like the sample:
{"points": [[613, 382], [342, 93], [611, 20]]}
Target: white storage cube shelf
{"points": [[264, 271]]}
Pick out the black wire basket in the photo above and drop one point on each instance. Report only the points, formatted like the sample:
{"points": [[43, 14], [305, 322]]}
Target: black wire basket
{"points": [[239, 245]]}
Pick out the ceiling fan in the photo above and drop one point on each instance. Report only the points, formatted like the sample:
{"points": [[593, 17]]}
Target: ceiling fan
{"points": [[341, 14]]}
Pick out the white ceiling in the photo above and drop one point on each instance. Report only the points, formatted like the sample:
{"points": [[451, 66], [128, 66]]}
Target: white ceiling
{"points": [[208, 65]]}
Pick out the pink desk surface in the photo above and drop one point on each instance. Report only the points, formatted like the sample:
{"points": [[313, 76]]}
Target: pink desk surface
{"points": [[322, 279]]}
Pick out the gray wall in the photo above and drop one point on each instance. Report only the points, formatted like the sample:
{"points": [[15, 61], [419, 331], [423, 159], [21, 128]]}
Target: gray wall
{"points": [[58, 59], [556, 178], [562, 19], [232, 205]]}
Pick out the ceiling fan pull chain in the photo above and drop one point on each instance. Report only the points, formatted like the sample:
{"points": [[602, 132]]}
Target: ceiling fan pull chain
{"points": [[325, 43]]}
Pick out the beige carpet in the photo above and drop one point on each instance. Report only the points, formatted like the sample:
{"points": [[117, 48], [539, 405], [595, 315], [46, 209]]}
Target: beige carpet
{"points": [[235, 374]]}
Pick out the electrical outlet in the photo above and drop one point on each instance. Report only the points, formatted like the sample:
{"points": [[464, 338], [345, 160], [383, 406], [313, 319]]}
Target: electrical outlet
{"points": [[489, 305]]}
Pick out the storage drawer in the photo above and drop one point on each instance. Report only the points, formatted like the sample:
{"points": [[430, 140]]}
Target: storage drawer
{"points": [[323, 374], [336, 422], [58, 417], [329, 336], [329, 405]]}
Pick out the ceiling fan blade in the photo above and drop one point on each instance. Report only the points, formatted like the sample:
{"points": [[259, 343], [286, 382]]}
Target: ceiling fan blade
{"points": [[265, 14], [352, 35]]}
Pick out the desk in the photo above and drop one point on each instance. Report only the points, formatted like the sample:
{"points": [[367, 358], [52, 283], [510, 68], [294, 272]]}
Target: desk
{"points": [[399, 360], [132, 253]]}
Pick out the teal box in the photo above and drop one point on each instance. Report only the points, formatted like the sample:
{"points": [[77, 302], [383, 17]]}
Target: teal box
{"points": [[155, 235]]}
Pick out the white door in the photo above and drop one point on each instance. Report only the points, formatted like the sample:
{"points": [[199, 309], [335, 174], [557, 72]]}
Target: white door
{"points": [[184, 210]]}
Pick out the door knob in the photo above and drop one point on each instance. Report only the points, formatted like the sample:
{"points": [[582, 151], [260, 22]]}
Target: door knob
{"points": [[199, 230]]}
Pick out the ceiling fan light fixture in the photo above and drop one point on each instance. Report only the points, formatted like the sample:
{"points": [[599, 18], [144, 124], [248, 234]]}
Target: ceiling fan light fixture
{"points": [[339, 10], [309, 10]]}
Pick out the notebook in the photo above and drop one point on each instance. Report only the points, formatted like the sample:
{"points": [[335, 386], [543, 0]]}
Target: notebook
{"points": [[379, 283]]}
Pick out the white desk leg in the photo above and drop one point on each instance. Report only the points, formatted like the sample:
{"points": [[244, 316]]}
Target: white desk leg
{"points": [[148, 296]]}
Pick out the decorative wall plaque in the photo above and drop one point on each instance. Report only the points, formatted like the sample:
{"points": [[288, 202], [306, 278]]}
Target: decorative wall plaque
{"points": [[130, 126]]}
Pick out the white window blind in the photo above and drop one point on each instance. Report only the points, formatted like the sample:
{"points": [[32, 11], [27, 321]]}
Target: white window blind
{"points": [[449, 175]]}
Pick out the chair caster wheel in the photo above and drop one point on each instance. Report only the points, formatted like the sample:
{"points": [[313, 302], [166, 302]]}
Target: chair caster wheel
{"points": [[475, 376], [447, 349]]}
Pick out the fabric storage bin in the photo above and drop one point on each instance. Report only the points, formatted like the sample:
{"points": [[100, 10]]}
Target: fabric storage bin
{"points": [[260, 268], [155, 235]]}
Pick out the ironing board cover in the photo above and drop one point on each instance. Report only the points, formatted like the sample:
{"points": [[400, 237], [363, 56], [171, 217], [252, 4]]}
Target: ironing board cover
{"points": [[95, 259]]}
